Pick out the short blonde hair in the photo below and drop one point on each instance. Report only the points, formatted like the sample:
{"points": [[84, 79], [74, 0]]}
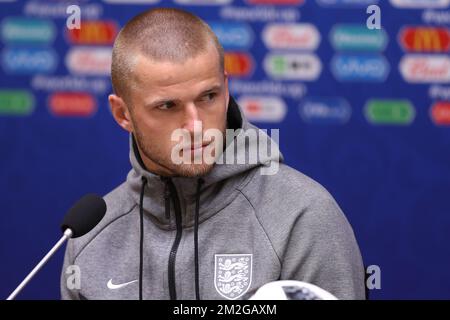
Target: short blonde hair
{"points": [[162, 34]]}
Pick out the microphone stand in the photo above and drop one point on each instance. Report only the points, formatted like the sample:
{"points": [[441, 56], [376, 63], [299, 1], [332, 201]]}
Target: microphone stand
{"points": [[67, 235]]}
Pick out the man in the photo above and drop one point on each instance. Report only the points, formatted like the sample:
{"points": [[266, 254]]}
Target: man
{"points": [[198, 229]]}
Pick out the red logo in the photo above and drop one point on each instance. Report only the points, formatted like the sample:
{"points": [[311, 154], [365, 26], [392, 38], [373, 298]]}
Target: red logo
{"points": [[291, 36], [253, 108], [89, 60], [425, 39], [263, 108], [238, 64], [93, 32], [440, 113], [425, 68], [67, 104]]}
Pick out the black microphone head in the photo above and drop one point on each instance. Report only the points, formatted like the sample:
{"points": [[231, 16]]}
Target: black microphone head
{"points": [[84, 215]]}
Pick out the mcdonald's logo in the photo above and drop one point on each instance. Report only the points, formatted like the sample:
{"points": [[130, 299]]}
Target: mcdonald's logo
{"points": [[93, 33], [425, 39]]}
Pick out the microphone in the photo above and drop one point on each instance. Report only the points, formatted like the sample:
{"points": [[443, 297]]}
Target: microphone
{"points": [[289, 290], [81, 218]]}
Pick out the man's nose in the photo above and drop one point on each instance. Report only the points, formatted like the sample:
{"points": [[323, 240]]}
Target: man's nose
{"points": [[191, 116]]}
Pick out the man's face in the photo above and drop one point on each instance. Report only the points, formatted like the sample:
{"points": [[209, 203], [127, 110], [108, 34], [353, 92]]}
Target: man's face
{"points": [[166, 96]]}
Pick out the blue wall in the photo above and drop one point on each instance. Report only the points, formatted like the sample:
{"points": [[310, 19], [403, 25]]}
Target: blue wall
{"points": [[390, 173]]}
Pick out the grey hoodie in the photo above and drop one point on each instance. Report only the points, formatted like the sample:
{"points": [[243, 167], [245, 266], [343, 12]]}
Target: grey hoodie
{"points": [[253, 228]]}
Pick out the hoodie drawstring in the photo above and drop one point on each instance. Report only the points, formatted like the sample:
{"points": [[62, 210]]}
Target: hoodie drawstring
{"points": [[197, 209], [200, 181], [141, 242]]}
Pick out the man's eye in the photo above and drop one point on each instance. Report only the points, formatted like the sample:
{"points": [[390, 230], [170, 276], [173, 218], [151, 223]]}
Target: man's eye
{"points": [[209, 97], [166, 106]]}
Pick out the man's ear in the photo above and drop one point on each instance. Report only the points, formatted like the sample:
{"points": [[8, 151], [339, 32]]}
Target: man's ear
{"points": [[227, 92], [120, 112]]}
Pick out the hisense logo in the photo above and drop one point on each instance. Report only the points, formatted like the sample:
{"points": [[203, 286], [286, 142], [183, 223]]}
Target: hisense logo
{"points": [[27, 31], [355, 37]]}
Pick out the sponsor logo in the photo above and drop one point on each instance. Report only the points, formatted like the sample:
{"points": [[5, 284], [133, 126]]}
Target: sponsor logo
{"points": [[72, 104], [232, 274], [203, 2], [425, 68], [437, 92], [113, 286], [238, 64], [440, 113], [263, 108], [425, 39], [346, 3], [420, 4], [58, 9], [325, 110], [390, 112], [93, 32], [131, 1], [28, 60], [233, 35], [436, 17], [360, 68], [16, 102], [27, 31], [275, 2], [355, 37], [294, 90], [291, 36], [89, 61], [305, 67], [259, 14], [70, 83]]}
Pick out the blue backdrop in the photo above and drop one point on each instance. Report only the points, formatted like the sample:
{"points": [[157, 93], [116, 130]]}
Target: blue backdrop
{"points": [[364, 112]]}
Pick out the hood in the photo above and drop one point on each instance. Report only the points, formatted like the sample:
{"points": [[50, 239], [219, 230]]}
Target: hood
{"points": [[219, 185]]}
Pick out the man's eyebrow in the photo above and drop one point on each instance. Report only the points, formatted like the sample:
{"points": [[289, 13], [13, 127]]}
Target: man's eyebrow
{"points": [[159, 102], [215, 87]]}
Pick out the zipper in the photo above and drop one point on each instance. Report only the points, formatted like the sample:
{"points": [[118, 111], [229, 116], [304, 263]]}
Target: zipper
{"points": [[176, 243]]}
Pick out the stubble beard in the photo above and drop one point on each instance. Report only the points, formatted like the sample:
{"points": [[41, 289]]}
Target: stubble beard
{"points": [[162, 160]]}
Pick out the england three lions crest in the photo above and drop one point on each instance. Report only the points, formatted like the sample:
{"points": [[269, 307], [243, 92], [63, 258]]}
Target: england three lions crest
{"points": [[232, 274]]}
